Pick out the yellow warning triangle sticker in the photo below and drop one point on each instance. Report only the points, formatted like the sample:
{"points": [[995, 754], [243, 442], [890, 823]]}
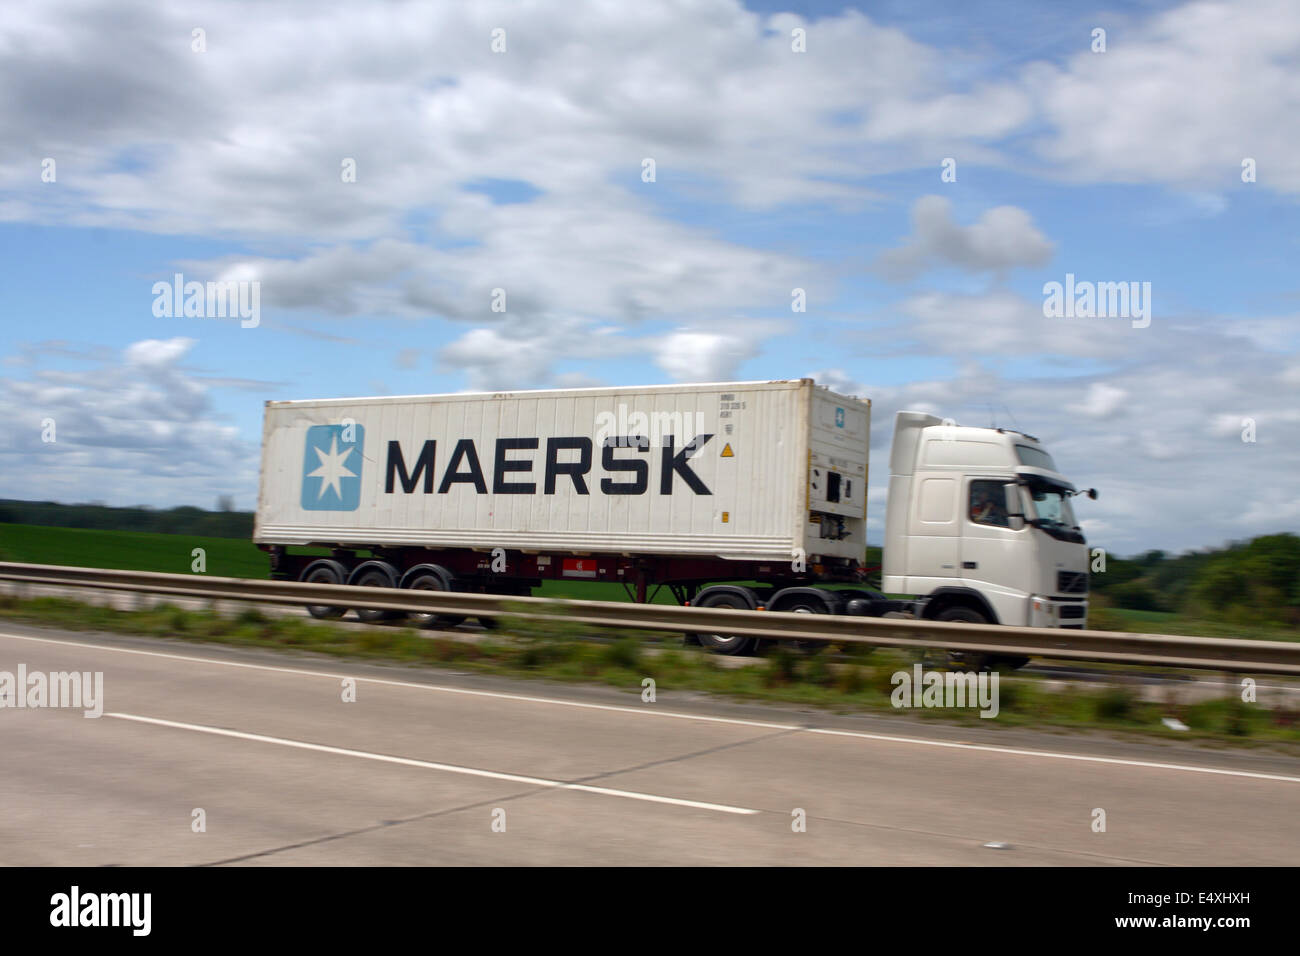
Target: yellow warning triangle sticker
{"points": [[727, 452]]}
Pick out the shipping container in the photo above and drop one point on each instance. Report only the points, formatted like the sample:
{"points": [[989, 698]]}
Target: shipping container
{"points": [[750, 471]]}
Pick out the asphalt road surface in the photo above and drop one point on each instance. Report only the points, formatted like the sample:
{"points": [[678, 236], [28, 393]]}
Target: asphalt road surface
{"points": [[438, 767]]}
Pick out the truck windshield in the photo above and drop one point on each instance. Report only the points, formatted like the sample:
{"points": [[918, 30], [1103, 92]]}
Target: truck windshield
{"points": [[1052, 511]]}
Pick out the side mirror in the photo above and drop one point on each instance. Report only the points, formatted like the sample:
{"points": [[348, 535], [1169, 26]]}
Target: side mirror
{"points": [[1015, 517], [1092, 493]]}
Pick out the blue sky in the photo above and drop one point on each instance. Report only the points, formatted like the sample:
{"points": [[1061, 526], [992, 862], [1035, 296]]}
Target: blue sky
{"points": [[774, 169]]}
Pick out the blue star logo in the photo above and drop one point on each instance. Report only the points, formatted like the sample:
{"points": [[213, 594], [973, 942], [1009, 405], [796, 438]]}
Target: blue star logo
{"points": [[331, 468]]}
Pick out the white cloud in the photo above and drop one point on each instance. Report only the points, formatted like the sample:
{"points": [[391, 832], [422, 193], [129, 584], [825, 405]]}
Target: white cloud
{"points": [[521, 352], [1002, 324], [133, 428], [1003, 238], [1181, 99], [157, 352], [838, 380], [1102, 401], [697, 356]]}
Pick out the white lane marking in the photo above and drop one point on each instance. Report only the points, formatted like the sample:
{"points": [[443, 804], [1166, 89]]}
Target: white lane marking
{"points": [[400, 683], [890, 738], [1123, 761], [430, 765]]}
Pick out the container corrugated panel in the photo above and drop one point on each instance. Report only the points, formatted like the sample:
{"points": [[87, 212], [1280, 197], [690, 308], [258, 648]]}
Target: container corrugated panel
{"points": [[349, 472]]}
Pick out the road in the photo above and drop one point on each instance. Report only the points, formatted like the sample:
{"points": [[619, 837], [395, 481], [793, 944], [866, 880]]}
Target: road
{"points": [[417, 770]]}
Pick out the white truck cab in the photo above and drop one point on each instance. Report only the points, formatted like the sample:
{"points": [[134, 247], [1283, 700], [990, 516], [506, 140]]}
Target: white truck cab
{"points": [[979, 527]]}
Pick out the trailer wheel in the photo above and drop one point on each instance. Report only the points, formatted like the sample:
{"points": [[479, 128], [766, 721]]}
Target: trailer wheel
{"points": [[324, 572], [728, 644], [375, 574], [430, 580]]}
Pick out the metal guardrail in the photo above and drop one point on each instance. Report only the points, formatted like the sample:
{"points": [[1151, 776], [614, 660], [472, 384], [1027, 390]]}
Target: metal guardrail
{"points": [[1229, 655]]}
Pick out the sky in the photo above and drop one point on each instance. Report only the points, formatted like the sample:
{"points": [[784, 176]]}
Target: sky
{"points": [[648, 185]]}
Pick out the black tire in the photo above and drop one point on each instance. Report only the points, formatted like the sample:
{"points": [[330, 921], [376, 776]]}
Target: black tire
{"points": [[805, 604], [1008, 662], [726, 644], [375, 574], [431, 581], [970, 660], [324, 572]]}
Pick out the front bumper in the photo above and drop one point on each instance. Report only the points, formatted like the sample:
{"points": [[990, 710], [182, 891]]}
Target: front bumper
{"points": [[1045, 611]]}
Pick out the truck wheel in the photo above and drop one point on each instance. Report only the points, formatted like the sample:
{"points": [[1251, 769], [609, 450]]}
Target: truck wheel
{"points": [[375, 574], [970, 660], [324, 572], [729, 644], [964, 660], [430, 581], [805, 604]]}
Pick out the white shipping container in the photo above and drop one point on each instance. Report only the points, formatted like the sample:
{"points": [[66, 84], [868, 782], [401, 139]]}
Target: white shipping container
{"points": [[745, 471]]}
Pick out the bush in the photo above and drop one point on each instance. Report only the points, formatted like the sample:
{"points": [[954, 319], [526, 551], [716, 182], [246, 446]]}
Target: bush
{"points": [[1137, 596], [544, 654], [818, 671], [624, 652], [782, 666], [1114, 703], [852, 679], [175, 618], [250, 615]]}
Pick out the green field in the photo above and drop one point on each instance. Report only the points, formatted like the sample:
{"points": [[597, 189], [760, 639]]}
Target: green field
{"points": [[225, 557], [1168, 622], [129, 550]]}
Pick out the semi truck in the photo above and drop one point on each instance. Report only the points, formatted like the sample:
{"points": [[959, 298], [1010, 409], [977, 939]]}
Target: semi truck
{"points": [[746, 495]]}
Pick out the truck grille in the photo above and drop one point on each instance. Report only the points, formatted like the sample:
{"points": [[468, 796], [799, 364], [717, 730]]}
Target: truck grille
{"points": [[1072, 610], [1072, 582]]}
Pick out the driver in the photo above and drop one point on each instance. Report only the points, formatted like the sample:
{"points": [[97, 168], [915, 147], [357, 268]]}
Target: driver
{"points": [[986, 509]]}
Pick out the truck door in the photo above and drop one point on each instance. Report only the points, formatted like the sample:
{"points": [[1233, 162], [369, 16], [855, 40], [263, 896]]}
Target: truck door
{"points": [[993, 556], [933, 534]]}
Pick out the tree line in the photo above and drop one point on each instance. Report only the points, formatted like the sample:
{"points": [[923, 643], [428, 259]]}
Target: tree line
{"points": [[182, 520], [1245, 582]]}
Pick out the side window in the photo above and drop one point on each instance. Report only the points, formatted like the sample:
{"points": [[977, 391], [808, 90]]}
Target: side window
{"points": [[988, 503]]}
